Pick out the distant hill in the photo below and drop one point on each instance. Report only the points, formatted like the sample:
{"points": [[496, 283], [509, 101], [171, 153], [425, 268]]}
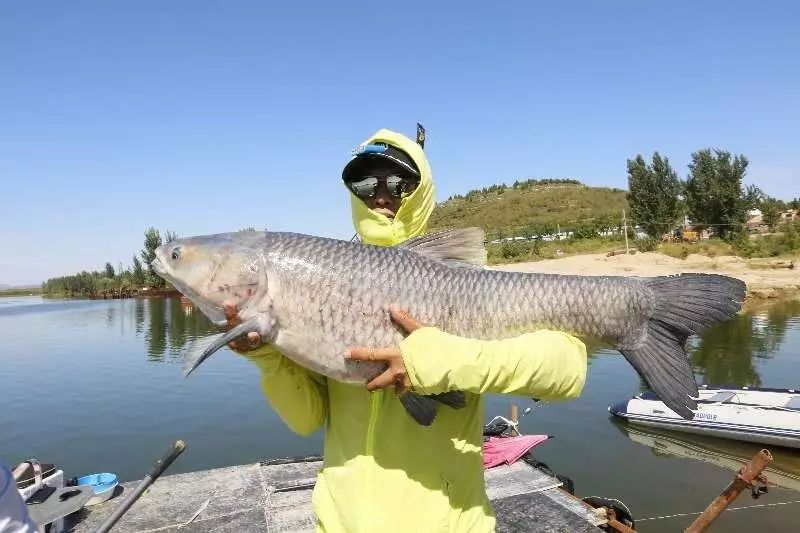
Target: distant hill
{"points": [[531, 206], [4, 286]]}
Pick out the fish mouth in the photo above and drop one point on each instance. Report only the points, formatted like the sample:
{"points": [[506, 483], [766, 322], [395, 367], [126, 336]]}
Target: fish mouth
{"points": [[214, 314], [158, 267]]}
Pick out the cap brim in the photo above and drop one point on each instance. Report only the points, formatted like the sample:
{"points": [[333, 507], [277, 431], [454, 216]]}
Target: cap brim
{"points": [[363, 164]]}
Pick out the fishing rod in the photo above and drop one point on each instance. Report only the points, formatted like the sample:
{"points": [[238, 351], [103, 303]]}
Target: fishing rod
{"points": [[171, 454]]}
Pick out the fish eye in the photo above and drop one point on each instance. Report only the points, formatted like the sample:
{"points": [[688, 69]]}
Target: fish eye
{"points": [[176, 253]]}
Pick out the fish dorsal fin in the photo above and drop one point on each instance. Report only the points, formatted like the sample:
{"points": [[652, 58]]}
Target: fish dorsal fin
{"points": [[455, 247]]}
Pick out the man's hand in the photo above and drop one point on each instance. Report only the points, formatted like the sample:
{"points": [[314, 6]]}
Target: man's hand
{"points": [[396, 373], [242, 344]]}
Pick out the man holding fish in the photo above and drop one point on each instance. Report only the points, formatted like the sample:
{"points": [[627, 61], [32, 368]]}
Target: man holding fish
{"points": [[401, 402], [383, 471]]}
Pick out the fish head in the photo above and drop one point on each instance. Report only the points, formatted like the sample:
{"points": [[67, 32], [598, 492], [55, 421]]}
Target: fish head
{"points": [[212, 270]]}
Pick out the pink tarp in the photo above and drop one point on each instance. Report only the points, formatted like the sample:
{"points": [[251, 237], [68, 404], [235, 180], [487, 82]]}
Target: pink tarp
{"points": [[499, 450]]}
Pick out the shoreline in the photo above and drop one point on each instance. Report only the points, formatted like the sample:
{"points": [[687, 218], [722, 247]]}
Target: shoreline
{"points": [[766, 279]]}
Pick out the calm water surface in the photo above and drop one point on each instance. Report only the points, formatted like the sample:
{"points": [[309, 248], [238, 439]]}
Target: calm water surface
{"points": [[96, 386]]}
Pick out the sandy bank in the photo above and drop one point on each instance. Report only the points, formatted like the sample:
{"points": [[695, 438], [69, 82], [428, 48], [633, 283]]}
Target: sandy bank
{"points": [[762, 277]]}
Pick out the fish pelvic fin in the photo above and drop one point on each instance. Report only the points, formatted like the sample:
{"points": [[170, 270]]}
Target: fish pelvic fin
{"points": [[423, 409], [203, 349], [456, 247], [686, 304], [454, 399]]}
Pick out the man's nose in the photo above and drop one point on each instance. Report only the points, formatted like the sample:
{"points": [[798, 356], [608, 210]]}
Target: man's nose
{"points": [[382, 198]]}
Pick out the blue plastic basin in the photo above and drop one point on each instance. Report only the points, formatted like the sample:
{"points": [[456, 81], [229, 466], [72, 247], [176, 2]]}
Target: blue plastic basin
{"points": [[100, 482]]}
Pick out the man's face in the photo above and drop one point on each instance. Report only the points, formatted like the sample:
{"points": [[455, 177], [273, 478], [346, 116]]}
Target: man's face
{"points": [[383, 202], [385, 198]]}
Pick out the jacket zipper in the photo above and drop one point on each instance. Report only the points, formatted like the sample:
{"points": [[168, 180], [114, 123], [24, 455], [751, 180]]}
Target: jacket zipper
{"points": [[374, 406]]}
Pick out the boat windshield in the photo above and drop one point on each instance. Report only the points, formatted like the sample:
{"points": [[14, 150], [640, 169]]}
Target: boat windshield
{"points": [[722, 397], [793, 403]]}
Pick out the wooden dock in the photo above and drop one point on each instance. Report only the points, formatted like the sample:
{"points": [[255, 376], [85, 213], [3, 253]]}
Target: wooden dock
{"points": [[276, 496]]}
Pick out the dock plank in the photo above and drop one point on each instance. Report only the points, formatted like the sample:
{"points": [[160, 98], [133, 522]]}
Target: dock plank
{"points": [[274, 497]]}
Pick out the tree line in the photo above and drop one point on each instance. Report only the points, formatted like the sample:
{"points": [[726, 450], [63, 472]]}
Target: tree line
{"points": [[139, 275], [713, 194], [518, 185]]}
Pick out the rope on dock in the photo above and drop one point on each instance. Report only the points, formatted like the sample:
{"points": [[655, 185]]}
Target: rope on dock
{"points": [[729, 509]]}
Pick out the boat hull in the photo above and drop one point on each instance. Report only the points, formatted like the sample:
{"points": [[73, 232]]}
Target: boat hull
{"points": [[762, 424]]}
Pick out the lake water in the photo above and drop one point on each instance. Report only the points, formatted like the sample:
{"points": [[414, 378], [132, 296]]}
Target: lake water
{"points": [[96, 386]]}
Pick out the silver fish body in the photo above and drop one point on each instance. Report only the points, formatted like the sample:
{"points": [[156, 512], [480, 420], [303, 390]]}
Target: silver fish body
{"points": [[314, 297]]}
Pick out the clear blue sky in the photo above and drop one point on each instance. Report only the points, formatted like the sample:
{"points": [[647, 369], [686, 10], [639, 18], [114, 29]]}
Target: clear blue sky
{"points": [[203, 117]]}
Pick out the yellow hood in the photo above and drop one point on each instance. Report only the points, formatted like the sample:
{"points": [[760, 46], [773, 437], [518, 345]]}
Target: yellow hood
{"points": [[411, 219]]}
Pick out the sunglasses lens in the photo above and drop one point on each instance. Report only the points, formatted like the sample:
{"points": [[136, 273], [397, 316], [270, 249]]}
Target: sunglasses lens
{"points": [[364, 187], [397, 186]]}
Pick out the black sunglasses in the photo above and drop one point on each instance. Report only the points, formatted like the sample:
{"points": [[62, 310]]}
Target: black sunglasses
{"points": [[367, 186]]}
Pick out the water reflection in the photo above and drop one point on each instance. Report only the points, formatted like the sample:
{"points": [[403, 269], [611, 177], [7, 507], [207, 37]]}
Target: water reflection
{"points": [[784, 471], [168, 324], [725, 354]]}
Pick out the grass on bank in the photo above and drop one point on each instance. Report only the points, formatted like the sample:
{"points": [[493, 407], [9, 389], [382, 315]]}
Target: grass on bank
{"points": [[776, 245], [20, 292]]}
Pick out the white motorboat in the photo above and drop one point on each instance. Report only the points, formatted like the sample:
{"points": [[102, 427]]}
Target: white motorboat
{"points": [[766, 416]]}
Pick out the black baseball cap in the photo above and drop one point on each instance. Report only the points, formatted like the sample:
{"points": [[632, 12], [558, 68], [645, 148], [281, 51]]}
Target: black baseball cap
{"points": [[367, 155]]}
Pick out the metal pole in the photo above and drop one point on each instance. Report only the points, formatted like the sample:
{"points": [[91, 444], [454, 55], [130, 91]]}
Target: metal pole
{"points": [[162, 464], [625, 231], [744, 478]]}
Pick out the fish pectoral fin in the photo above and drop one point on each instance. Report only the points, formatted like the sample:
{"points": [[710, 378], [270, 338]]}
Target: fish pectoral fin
{"points": [[202, 349], [454, 399], [421, 408], [457, 247]]}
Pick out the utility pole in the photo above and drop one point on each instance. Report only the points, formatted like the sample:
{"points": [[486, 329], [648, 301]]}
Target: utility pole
{"points": [[625, 231]]}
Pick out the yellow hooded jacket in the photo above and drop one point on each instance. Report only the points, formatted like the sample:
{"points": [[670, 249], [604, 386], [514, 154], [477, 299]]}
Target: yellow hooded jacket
{"points": [[383, 471]]}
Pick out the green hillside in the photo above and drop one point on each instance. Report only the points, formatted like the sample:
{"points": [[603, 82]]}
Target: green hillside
{"points": [[532, 207]]}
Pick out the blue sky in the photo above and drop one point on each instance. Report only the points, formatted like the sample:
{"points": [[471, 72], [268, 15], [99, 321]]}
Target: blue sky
{"points": [[203, 117]]}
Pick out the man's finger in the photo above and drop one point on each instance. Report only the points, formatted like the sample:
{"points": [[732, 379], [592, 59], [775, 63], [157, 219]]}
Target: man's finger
{"points": [[253, 339], [386, 379], [231, 314], [372, 354], [404, 319]]}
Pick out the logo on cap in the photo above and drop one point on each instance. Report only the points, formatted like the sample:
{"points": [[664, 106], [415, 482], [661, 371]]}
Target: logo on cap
{"points": [[370, 149]]}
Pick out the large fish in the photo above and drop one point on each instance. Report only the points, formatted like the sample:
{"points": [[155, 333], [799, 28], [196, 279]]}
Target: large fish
{"points": [[313, 297]]}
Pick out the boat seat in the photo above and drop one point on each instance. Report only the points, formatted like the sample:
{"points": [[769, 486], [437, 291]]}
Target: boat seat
{"points": [[721, 397], [793, 403]]}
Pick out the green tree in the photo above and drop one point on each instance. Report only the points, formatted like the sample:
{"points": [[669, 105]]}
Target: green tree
{"points": [[770, 212], [753, 196], [654, 195], [137, 274], [109, 271], [714, 194], [795, 204], [152, 240], [170, 236]]}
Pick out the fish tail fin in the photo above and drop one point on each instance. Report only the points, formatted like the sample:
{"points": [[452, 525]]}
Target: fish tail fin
{"points": [[685, 304], [423, 408]]}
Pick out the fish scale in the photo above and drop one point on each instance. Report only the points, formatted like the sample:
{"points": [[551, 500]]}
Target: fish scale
{"points": [[472, 303], [325, 295]]}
